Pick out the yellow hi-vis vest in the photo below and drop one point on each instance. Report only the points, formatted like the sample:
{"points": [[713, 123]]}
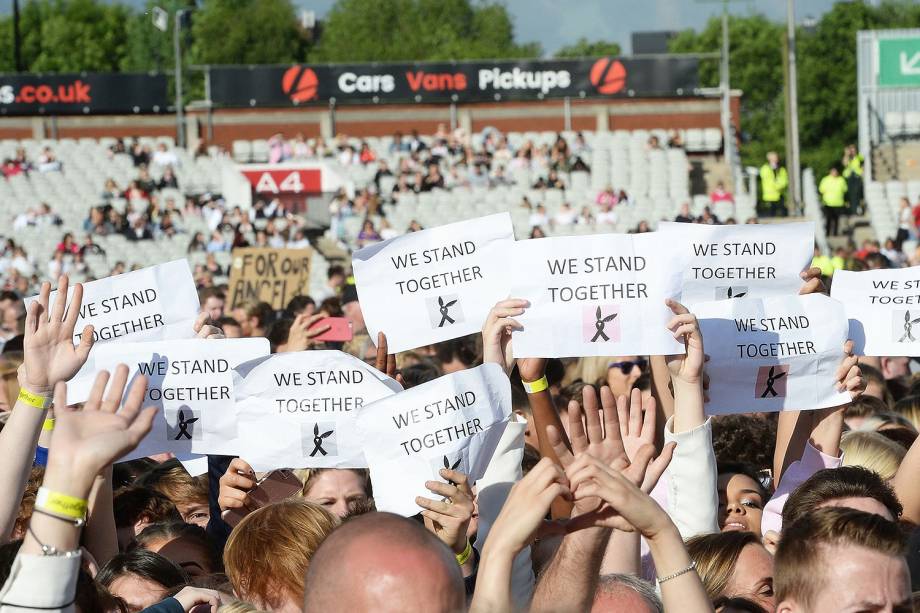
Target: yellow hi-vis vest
{"points": [[854, 166], [773, 183], [832, 190]]}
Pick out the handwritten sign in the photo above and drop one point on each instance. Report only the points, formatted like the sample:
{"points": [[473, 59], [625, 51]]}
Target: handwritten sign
{"points": [[298, 410], [435, 285], [155, 303], [191, 382], [452, 422], [741, 261], [595, 295], [773, 354], [261, 274], [884, 309]]}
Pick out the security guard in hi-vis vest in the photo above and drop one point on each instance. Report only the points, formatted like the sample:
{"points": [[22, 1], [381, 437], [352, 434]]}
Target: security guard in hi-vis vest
{"points": [[833, 190], [853, 172], [773, 183]]}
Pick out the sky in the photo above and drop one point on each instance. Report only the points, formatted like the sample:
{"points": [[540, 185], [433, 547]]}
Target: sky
{"points": [[556, 23]]}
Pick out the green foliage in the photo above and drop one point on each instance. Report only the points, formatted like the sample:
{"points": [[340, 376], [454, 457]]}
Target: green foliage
{"points": [[585, 48], [372, 31], [246, 32]]}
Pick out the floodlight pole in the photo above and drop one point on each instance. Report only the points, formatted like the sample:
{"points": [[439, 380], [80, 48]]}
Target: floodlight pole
{"points": [[792, 109], [177, 51]]}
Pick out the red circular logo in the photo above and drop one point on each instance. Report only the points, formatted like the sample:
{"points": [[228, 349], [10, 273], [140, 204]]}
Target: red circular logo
{"points": [[608, 76], [299, 83]]}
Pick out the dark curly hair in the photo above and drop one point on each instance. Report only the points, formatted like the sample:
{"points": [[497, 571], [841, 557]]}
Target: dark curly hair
{"points": [[744, 439]]}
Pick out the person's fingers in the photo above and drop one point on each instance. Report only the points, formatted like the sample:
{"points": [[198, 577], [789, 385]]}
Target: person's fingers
{"points": [[611, 421], [441, 519], [312, 319], [433, 505], [649, 421], [231, 498], [639, 463], [200, 321], [142, 425], [456, 477], [44, 296], [512, 303], [562, 452], [313, 332], [684, 330], [381, 361], [86, 343], [60, 301], [239, 465], [635, 412], [73, 309], [678, 320], [94, 402], [391, 367], [60, 399], [442, 489], [623, 415], [509, 323], [848, 347], [32, 315], [135, 397], [236, 481], [116, 389], [505, 312], [676, 307], [577, 436], [592, 418]]}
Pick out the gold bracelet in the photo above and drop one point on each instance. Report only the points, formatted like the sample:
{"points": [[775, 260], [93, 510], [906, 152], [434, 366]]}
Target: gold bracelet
{"points": [[533, 387], [60, 504], [467, 553], [34, 400]]}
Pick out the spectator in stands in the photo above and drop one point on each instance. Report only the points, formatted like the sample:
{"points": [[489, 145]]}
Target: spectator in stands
{"points": [[684, 215], [96, 223], [197, 244], [539, 217], [218, 243], [414, 226], [168, 180], [433, 180], [708, 217], [11, 168], [118, 147], [299, 240], [720, 194], [537, 232], [565, 216], [383, 170], [653, 143], [586, 217], [164, 158], [416, 144], [300, 148], [607, 215], [773, 183], [833, 189], [906, 228], [607, 197], [89, 247], [642, 227], [135, 192], [365, 154], [212, 302], [278, 149], [368, 234], [478, 177], [852, 172], [675, 140], [140, 154], [110, 190], [399, 145], [58, 265], [67, 245], [348, 156], [139, 230], [48, 162], [145, 181]]}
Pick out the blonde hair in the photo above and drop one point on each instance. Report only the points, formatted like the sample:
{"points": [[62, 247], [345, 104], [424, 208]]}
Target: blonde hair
{"points": [[873, 451], [591, 370], [716, 556], [909, 408], [269, 551], [238, 606]]}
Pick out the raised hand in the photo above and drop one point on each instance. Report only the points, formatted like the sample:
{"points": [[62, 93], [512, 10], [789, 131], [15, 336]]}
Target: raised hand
{"points": [[385, 361], [204, 329], [496, 332], [301, 335], [50, 356], [89, 440], [235, 485], [686, 367], [812, 282], [849, 376], [449, 518]]}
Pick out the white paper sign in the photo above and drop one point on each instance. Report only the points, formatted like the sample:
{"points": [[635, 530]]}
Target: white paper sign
{"points": [[597, 295], [152, 304], [884, 309], [190, 382], [454, 421], [298, 410], [434, 285], [772, 354], [735, 261]]}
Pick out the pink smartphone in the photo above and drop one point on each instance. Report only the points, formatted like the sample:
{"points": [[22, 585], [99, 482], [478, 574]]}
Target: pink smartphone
{"points": [[339, 329]]}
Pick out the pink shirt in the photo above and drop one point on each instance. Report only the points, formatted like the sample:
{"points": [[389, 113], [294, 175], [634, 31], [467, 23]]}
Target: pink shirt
{"points": [[798, 472]]}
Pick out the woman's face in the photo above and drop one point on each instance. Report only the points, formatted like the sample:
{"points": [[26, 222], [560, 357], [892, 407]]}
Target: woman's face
{"points": [[753, 576], [740, 503], [336, 489], [621, 382], [137, 592]]}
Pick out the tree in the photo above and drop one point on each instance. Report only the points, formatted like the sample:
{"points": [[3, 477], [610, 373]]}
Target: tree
{"points": [[585, 48], [246, 32], [401, 30], [147, 47], [756, 68]]}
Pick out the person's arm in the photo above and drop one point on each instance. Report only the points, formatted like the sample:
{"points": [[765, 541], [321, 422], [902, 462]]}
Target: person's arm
{"points": [[626, 507], [905, 483], [84, 443], [449, 518], [100, 535], [661, 391], [50, 357], [515, 528]]}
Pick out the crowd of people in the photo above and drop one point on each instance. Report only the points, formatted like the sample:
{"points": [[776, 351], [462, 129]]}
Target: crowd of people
{"points": [[613, 490]]}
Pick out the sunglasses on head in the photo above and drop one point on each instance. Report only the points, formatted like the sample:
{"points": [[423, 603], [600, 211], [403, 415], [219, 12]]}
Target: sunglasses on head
{"points": [[627, 366]]}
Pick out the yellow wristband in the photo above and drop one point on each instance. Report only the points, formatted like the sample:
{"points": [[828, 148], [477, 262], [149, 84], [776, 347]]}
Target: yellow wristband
{"points": [[48, 425], [536, 386], [33, 400], [464, 557], [60, 504]]}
